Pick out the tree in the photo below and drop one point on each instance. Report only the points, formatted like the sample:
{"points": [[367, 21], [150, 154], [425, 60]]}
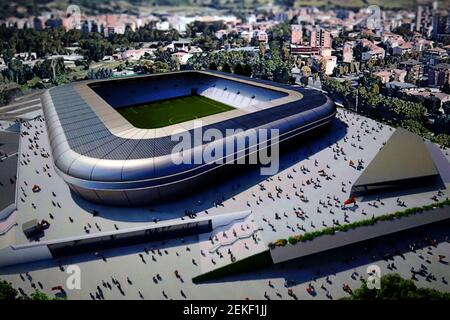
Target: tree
{"points": [[39, 295], [50, 68], [166, 60], [8, 54], [272, 67], [446, 108], [446, 88], [199, 61], [243, 69], [96, 49], [394, 287], [304, 81], [410, 78], [404, 32], [206, 28], [280, 33], [212, 66], [262, 49], [375, 89], [18, 72], [226, 68], [443, 139], [206, 42], [160, 67], [101, 73], [7, 292]]}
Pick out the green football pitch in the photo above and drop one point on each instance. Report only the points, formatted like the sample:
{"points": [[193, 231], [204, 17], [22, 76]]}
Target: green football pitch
{"points": [[166, 112]]}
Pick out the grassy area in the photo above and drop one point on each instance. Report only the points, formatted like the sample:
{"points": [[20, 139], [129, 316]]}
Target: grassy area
{"points": [[9, 86], [167, 112], [106, 64], [254, 262]]}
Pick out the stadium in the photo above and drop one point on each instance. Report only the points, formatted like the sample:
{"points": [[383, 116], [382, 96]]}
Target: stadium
{"points": [[111, 139]]}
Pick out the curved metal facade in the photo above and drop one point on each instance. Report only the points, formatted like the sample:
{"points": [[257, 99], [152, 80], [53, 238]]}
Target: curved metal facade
{"points": [[105, 159]]}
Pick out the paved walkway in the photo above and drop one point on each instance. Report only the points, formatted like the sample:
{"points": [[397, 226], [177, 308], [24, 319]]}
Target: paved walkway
{"points": [[302, 198]]}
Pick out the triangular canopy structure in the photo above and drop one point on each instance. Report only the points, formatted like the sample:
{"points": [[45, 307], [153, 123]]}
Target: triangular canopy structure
{"points": [[404, 162]]}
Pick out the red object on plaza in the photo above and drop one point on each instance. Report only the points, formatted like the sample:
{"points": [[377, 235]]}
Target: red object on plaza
{"points": [[350, 200], [347, 288], [44, 224]]}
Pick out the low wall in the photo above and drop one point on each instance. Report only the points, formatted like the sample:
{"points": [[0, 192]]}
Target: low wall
{"points": [[31, 252], [6, 212], [13, 255], [254, 262], [340, 239]]}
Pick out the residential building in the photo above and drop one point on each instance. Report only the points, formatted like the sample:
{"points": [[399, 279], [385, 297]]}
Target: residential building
{"points": [[320, 38], [441, 27], [386, 76], [434, 56], [439, 74], [347, 52], [414, 70], [328, 63], [402, 49], [296, 34], [371, 50], [304, 50], [395, 85], [420, 44], [261, 36], [418, 18], [440, 96], [135, 55]]}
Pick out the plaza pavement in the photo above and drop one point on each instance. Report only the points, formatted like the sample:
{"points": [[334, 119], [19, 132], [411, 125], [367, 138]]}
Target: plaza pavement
{"points": [[282, 205], [136, 270], [229, 243]]}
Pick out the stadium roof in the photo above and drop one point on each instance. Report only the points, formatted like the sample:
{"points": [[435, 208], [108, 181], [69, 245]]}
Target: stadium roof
{"points": [[93, 146]]}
